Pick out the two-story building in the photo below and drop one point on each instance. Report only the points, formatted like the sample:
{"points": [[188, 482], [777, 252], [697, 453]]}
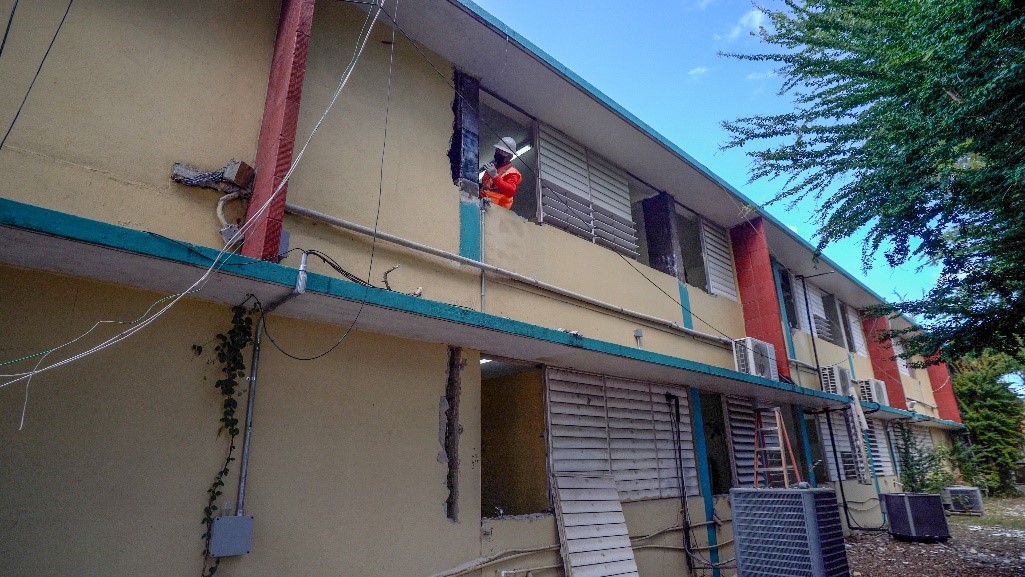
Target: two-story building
{"points": [[444, 388]]}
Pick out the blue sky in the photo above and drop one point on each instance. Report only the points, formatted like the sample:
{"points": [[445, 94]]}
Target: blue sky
{"points": [[660, 61]]}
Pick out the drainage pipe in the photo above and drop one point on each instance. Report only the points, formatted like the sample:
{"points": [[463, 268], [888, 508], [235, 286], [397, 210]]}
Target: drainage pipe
{"points": [[254, 370], [335, 221]]}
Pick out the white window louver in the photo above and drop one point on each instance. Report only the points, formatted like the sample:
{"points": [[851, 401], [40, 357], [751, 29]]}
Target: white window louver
{"points": [[718, 251], [802, 313], [902, 364], [857, 331], [741, 422], [820, 323], [584, 194], [848, 466], [881, 462], [622, 427]]}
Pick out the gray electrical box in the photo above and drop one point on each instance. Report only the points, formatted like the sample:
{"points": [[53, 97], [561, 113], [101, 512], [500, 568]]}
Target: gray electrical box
{"points": [[231, 535]]}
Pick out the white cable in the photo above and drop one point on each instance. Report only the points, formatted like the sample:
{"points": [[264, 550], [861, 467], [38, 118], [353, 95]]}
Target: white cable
{"points": [[198, 285]]}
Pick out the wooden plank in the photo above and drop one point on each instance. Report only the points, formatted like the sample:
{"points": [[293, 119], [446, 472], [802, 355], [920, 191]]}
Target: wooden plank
{"points": [[590, 507], [606, 569], [601, 556], [594, 531], [578, 519], [607, 493], [597, 543]]}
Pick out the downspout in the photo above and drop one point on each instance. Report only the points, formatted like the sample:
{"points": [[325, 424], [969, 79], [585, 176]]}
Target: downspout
{"points": [[254, 370]]}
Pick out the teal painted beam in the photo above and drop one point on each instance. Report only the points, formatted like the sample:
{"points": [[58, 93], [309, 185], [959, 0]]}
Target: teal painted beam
{"points": [[806, 447], [75, 228], [704, 476], [469, 228]]}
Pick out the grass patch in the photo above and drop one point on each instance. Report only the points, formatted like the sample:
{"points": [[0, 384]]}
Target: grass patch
{"points": [[1004, 513]]}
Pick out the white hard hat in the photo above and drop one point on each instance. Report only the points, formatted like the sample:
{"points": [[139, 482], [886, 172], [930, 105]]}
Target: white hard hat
{"points": [[507, 144]]}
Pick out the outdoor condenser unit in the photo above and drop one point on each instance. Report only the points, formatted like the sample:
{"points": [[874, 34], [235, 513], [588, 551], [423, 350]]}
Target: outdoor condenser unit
{"points": [[755, 357], [963, 499], [788, 533], [916, 517]]}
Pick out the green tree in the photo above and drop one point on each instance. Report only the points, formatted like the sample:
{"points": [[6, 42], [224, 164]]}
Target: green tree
{"points": [[909, 125], [993, 415]]}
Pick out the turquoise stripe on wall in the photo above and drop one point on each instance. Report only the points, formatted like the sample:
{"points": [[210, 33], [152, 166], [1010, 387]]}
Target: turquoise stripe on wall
{"points": [[685, 304], [469, 229], [704, 476], [783, 310]]}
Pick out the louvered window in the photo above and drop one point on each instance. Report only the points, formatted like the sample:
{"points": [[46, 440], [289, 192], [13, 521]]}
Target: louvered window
{"points": [[718, 260], [881, 462], [857, 331], [848, 465], [902, 364], [741, 421], [623, 427], [584, 194]]}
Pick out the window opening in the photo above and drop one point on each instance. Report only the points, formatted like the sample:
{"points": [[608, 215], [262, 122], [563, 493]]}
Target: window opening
{"points": [[815, 440], [498, 120], [514, 466], [692, 260], [789, 302], [717, 443], [846, 322]]}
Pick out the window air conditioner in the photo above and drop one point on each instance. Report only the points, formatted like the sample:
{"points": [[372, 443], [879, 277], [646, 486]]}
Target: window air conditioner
{"points": [[916, 517], [755, 357], [873, 390], [788, 532], [962, 499], [836, 380]]}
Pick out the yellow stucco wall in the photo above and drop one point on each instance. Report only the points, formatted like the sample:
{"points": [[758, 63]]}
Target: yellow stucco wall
{"points": [[118, 450], [128, 89]]}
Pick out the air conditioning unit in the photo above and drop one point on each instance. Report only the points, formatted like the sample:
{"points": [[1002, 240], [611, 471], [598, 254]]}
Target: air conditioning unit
{"points": [[755, 357], [873, 390], [962, 499], [836, 380], [916, 517], [788, 532]]}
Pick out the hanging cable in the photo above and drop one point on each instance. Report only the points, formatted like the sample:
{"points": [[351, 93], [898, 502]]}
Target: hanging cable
{"points": [[373, 247], [7, 29], [200, 283], [39, 69]]}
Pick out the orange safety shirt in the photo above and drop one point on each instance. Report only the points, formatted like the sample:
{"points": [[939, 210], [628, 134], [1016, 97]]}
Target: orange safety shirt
{"points": [[502, 188]]}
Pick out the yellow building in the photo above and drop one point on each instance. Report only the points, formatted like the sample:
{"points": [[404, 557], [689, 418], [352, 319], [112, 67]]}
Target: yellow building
{"points": [[444, 388]]}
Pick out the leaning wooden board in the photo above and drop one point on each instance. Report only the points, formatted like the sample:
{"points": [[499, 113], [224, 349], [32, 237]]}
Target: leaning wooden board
{"points": [[592, 529]]}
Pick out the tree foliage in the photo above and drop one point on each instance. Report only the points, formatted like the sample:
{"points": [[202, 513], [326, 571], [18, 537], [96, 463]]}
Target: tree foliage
{"points": [[909, 125], [993, 415]]}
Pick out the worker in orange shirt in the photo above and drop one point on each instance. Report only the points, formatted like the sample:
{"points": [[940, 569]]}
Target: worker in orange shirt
{"points": [[500, 177]]}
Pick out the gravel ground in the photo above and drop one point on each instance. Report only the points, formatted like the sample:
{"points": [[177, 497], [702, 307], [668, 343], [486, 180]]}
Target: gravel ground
{"points": [[992, 546]]}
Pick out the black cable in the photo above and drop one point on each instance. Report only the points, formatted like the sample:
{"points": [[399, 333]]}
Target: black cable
{"points": [[7, 29], [210, 258], [38, 69], [338, 268]]}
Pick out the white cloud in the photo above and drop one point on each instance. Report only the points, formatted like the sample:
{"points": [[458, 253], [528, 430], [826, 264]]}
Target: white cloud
{"points": [[750, 22], [696, 73], [761, 75], [702, 4]]}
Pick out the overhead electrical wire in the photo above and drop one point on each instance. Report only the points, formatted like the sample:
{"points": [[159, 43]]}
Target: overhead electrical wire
{"points": [[7, 29], [145, 321], [39, 69]]}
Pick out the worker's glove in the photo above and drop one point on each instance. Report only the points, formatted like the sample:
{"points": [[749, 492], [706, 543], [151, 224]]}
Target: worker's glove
{"points": [[491, 169]]}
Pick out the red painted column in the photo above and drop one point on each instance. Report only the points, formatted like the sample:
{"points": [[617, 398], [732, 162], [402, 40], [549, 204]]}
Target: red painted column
{"points": [[943, 392], [884, 364], [277, 134], [757, 284]]}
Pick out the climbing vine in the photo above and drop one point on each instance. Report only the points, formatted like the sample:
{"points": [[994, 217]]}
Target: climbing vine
{"points": [[229, 350]]}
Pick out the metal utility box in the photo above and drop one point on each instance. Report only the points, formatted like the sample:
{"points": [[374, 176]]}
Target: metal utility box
{"points": [[788, 532], [963, 499], [231, 535], [916, 517]]}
